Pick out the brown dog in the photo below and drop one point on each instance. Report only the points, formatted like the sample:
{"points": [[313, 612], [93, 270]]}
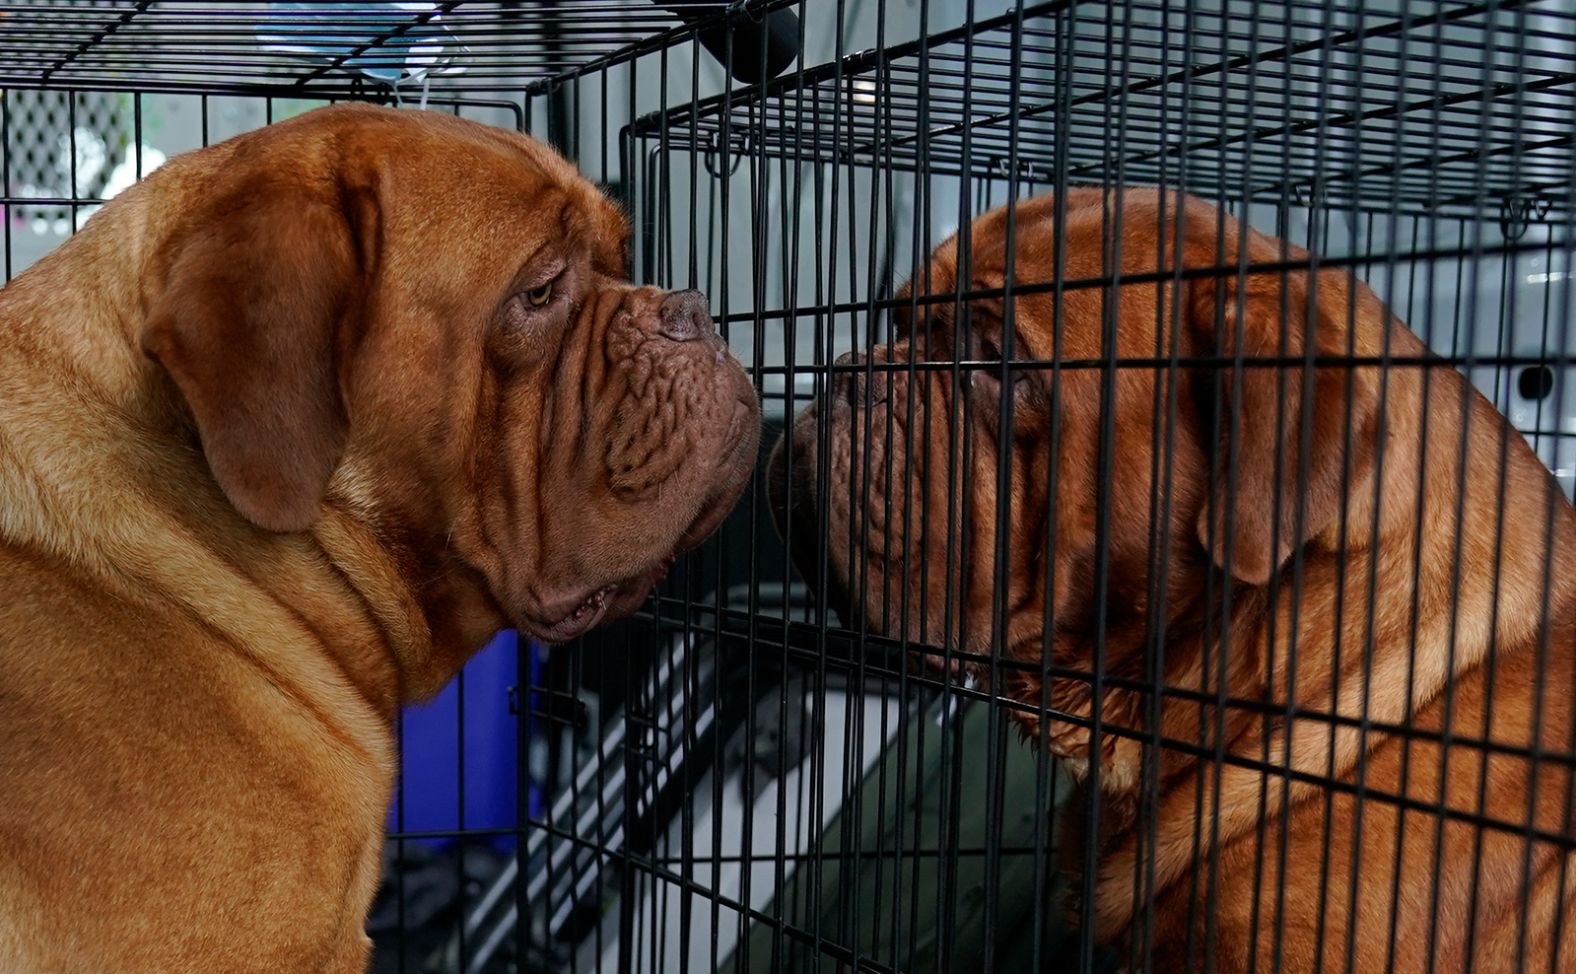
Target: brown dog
{"points": [[286, 432], [1357, 585]]}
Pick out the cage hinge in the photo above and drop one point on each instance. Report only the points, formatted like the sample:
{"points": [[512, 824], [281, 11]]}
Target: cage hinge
{"points": [[1517, 212], [1026, 169], [736, 152], [1311, 195]]}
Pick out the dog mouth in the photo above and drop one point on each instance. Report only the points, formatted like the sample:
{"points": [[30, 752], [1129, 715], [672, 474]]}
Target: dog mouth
{"points": [[579, 620], [619, 598]]}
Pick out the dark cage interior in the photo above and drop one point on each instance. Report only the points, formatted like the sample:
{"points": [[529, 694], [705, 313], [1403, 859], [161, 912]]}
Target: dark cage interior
{"points": [[1177, 428]]}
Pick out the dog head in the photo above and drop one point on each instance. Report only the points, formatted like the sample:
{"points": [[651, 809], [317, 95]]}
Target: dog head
{"points": [[428, 321], [1041, 481]]}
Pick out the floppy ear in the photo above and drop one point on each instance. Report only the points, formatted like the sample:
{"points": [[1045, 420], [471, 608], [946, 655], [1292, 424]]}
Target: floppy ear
{"points": [[248, 324], [1295, 461]]}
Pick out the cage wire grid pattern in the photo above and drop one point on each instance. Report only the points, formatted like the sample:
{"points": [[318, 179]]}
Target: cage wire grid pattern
{"points": [[748, 775]]}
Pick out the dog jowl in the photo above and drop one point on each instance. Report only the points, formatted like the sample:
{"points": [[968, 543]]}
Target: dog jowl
{"points": [[1354, 560]]}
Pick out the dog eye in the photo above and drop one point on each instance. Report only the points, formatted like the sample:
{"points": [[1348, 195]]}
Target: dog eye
{"points": [[986, 349], [540, 295]]}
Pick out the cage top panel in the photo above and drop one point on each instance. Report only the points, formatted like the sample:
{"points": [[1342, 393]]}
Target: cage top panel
{"points": [[1424, 106], [323, 49]]}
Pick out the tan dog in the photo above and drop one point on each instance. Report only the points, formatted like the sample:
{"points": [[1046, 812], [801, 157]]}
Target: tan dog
{"points": [[1401, 573], [286, 432]]}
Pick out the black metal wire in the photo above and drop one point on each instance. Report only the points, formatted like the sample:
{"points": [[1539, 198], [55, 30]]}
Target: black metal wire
{"points": [[203, 46], [974, 94]]}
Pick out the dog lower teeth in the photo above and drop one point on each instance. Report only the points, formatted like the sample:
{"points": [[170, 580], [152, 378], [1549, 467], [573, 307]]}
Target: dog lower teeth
{"points": [[593, 603]]}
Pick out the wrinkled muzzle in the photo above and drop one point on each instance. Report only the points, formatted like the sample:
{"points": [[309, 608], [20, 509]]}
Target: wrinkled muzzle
{"points": [[847, 485], [653, 434]]}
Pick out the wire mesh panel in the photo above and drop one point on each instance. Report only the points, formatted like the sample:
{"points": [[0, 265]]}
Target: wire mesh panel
{"points": [[1165, 534], [321, 49], [1161, 553]]}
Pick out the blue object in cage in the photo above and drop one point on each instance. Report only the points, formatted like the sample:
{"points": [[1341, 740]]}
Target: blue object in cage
{"points": [[467, 737], [390, 43]]}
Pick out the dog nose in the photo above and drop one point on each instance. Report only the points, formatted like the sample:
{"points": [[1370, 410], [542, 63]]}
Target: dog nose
{"points": [[861, 387], [685, 317]]}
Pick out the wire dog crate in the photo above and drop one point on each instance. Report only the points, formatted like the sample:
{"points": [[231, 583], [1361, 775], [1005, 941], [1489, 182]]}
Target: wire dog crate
{"points": [[759, 774]]}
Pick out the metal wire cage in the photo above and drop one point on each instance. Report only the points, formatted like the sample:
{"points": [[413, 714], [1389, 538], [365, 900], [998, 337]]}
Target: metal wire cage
{"points": [[1152, 599]]}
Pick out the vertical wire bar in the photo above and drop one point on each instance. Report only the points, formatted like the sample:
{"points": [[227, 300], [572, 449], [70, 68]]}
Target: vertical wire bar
{"points": [[1491, 663], [7, 99], [1144, 942], [136, 134], [554, 840], [1214, 623], [851, 875], [1233, 317], [460, 843], [719, 589], [691, 744], [631, 878], [1001, 595], [1414, 611], [401, 948], [525, 740], [955, 631], [694, 165], [1475, 255], [75, 192], [1448, 696], [662, 175], [900, 752], [848, 839], [1065, 30], [645, 706], [629, 875], [579, 842], [818, 784], [631, 171], [878, 288], [883, 162], [1111, 251], [793, 225], [807, 896], [683, 667], [759, 244], [1154, 596], [1266, 719], [662, 889], [574, 148], [1414, 622], [1371, 596], [953, 716], [851, 840], [919, 388], [1317, 234], [524, 655]]}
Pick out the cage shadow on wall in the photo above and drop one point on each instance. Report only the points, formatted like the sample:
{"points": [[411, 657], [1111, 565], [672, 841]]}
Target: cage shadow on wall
{"points": [[754, 774]]}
